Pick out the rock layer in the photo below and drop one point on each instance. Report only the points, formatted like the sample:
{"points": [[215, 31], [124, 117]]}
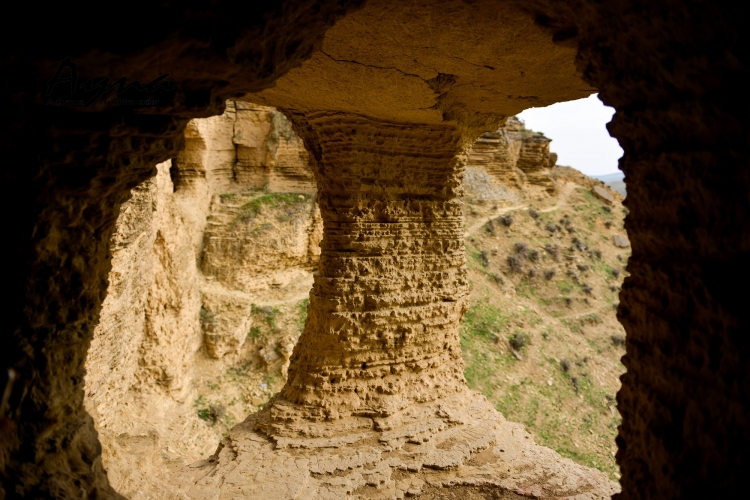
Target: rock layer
{"points": [[515, 156], [382, 328], [459, 440]]}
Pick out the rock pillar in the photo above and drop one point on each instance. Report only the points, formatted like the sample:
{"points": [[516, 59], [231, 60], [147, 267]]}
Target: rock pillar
{"points": [[382, 327]]}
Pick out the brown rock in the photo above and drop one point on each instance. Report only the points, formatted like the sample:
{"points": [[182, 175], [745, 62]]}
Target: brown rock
{"points": [[515, 156], [620, 241], [603, 194], [225, 318]]}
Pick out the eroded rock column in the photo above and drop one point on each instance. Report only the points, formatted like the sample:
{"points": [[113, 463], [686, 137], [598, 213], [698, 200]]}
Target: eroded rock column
{"points": [[382, 328]]}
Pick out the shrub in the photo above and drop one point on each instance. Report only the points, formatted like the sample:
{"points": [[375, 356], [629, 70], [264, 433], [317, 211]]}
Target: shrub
{"points": [[553, 250], [216, 412], [519, 340], [565, 365], [615, 272], [506, 220], [550, 227], [608, 224], [516, 263], [533, 255], [582, 267], [549, 274], [484, 256], [206, 316], [587, 288], [533, 213], [521, 248], [490, 227], [532, 272], [618, 340]]}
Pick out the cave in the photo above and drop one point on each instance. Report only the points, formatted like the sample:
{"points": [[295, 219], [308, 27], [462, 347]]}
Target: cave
{"points": [[386, 97]]}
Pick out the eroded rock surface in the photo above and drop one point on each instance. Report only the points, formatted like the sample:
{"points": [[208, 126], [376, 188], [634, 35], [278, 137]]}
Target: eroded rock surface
{"points": [[676, 72], [458, 440], [515, 156]]}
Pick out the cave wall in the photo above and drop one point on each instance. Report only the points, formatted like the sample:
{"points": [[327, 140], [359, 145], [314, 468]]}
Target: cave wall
{"points": [[72, 167], [675, 73]]}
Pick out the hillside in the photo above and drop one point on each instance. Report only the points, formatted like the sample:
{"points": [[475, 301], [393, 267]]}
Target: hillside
{"points": [[541, 339]]}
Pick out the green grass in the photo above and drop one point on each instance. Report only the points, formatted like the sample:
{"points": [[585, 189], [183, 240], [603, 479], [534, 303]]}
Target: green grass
{"points": [[573, 325], [252, 208], [302, 313], [480, 327], [269, 315], [201, 407], [255, 332], [565, 286], [483, 320], [532, 316]]}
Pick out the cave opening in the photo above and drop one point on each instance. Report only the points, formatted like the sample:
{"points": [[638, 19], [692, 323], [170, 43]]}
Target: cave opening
{"points": [[414, 82], [213, 261]]}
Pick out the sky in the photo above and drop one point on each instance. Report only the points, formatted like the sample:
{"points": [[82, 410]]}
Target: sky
{"points": [[579, 134]]}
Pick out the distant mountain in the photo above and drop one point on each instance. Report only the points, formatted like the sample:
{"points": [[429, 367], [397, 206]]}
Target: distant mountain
{"points": [[615, 181]]}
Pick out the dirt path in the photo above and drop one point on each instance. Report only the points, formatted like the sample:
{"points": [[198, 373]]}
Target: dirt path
{"points": [[562, 201]]}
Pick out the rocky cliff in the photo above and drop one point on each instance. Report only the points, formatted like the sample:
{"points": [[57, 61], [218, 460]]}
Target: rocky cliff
{"points": [[194, 246], [213, 259], [514, 156]]}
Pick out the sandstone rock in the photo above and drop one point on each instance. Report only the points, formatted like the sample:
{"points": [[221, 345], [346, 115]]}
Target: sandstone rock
{"points": [[603, 194], [269, 354], [225, 318], [148, 327], [620, 241], [514, 156], [428, 444]]}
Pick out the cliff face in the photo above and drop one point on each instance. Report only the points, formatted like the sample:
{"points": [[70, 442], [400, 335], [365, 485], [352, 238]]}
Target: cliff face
{"points": [[147, 330], [514, 156], [192, 247]]}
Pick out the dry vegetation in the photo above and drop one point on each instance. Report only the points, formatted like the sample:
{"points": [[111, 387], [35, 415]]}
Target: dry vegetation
{"points": [[540, 338]]}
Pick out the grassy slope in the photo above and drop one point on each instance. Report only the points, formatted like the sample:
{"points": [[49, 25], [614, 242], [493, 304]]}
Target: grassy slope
{"points": [[563, 385]]}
